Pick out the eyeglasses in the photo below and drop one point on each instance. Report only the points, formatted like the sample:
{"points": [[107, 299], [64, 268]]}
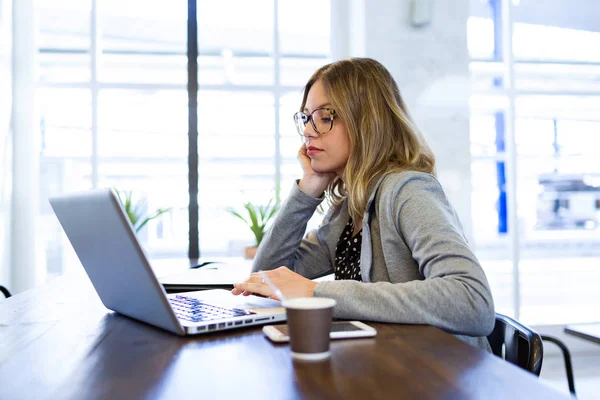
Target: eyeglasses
{"points": [[321, 120]]}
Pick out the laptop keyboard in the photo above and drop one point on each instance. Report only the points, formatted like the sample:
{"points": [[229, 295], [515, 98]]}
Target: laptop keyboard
{"points": [[195, 310]]}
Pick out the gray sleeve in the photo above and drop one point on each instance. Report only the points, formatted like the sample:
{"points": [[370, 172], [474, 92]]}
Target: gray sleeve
{"points": [[454, 296], [284, 244]]}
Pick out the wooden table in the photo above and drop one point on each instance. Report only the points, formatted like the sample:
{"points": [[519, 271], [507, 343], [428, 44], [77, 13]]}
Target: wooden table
{"points": [[58, 342], [589, 331]]}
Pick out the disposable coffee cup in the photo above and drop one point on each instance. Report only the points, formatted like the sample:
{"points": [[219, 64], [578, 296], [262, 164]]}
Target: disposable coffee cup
{"points": [[309, 323]]}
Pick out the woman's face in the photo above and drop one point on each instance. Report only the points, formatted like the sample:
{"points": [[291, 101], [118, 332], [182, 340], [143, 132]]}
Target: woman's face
{"points": [[328, 152]]}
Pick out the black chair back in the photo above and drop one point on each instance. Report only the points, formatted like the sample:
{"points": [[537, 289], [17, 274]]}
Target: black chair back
{"points": [[522, 345], [4, 291]]}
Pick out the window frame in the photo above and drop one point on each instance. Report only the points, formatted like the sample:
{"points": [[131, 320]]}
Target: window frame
{"points": [[193, 88]]}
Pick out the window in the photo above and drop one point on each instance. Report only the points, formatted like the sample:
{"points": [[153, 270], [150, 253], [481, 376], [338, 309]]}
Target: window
{"points": [[251, 73], [114, 110], [556, 135]]}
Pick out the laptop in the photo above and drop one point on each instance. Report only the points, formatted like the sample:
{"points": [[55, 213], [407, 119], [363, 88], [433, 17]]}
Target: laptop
{"points": [[220, 273], [106, 244], [216, 275]]}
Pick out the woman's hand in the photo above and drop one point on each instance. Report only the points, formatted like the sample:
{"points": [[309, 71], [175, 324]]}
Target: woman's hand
{"points": [[290, 283], [313, 183]]}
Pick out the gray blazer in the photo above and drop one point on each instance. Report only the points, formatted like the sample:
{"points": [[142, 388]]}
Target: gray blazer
{"points": [[416, 265]]}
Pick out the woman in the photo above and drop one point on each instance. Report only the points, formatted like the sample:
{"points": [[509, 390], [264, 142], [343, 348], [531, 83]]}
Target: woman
{"points": [[391, 237]]}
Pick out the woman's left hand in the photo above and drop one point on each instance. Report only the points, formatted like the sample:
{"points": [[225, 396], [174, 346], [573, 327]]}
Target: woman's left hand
{"points": [[288, 282]]}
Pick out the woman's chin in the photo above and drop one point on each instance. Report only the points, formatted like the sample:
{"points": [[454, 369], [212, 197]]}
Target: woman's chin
{"points": [[325, 169], [317, 167]]}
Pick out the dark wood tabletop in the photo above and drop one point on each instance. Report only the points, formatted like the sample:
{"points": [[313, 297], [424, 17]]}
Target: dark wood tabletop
{"points": [[590, 331], [58, 342]]}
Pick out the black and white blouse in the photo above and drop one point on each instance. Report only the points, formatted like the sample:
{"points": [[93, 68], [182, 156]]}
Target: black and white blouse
{"points": [[347, 254]]}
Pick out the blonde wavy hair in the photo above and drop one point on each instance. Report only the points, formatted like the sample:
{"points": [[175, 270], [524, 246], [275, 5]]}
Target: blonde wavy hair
{"points": [[382, 135]]}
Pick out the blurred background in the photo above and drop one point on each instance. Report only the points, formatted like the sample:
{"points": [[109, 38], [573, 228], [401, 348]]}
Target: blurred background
{"points": [[509, 101]]}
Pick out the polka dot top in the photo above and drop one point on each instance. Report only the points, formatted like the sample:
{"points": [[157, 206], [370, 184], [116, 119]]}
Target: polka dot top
{"points": [[347, 254]]}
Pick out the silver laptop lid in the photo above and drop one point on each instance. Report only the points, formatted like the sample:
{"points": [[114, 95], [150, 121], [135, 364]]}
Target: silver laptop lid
{"points": [[106, 244]]}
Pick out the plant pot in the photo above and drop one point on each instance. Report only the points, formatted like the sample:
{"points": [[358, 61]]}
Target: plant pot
{"points": [[250, 252]]}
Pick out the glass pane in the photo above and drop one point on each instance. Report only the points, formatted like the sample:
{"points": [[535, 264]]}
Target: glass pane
{"points": [[290, 141], [540, 77], [485, 75], [485, 207], [580, 138], [143, 147], [559, 216], [305, 29], [304, 43], [555, 43], [487, 103], [490, 243], [483, 135], [480, 30], [480, 37], [557, 77], [65, 165], [558, 106], [143, 41], [534, 136], [237, 70], [566, 32], [297, 71], [235, 47], [236, 164], [65, 122], [558, 194], [552, 291], [143, 123], [64, 40]]}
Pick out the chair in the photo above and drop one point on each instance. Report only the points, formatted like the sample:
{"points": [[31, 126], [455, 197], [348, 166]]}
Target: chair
{"points": [[522, 345], [567, 358], [4, 291]]}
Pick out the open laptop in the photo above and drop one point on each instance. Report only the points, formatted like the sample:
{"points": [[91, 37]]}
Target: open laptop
{"points": [[221, 273], [105, 242], [216, 275]]}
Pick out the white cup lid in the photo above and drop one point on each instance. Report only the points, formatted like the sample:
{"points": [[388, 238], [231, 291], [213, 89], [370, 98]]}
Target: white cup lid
{"points": [[308, 303]]}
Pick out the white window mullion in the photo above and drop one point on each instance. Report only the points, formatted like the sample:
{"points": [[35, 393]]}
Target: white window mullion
{"points": [[511, 151], [95, 51], [515, 92], [277, 98], [170, 86]]}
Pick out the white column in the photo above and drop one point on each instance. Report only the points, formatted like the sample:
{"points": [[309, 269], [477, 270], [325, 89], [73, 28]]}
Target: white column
{"points": [[25, 267], [511, 150], [5, 148], [431, 66]]}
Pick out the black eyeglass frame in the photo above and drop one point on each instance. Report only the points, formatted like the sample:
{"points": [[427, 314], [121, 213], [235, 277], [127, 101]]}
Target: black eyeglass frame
{"points": [[300, 116]]}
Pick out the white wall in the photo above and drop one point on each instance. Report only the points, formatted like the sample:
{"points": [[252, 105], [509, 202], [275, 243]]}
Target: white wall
{"points": [[430, 65], [5, 145]]}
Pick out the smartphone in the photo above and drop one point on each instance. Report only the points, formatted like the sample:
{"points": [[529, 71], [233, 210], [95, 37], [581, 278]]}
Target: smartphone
{"points": [[339, 330]]}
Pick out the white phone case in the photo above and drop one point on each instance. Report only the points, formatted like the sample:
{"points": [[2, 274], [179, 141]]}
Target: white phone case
{"points": [[358, 330]]}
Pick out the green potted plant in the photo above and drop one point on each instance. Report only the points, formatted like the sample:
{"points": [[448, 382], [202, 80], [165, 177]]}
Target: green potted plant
{"points": [[257, 218], [136, 210]]}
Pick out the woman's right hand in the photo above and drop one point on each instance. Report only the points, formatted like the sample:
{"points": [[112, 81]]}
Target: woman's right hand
{"points": [[313, 183]]}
